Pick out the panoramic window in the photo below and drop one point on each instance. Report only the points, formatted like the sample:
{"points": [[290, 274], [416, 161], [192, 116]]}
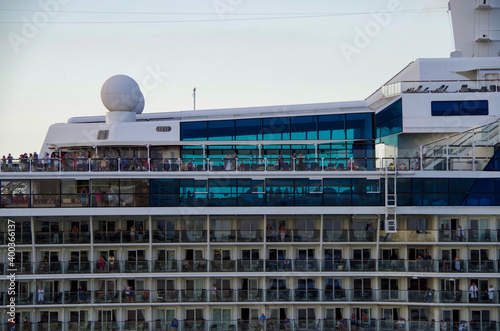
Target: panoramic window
{"points": [[459, 108], [390, 121], [194, 131]]}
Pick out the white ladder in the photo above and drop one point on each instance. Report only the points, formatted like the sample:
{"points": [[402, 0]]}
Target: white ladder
{"points": [[391, 222]]}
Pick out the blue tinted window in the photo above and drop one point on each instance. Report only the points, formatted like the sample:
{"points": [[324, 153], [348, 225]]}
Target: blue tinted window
{"points": [[304, 127], [194, 131], [359, 126], [459, 108], [390, 121], [250, 129], [277, 128], [435, 185], [331, 127], [474, 107], [403, 185], [484, 185], [164, 186], [460, 185], [221, 130]]}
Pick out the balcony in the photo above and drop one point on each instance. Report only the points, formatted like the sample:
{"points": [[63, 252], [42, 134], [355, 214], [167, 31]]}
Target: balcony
{"points": [[42, 238], [250, 265], [245, 325], [438, 86], [245, 266], [257, 295]]}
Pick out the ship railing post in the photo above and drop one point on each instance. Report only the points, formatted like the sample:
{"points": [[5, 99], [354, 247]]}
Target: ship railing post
{"points": [[474, 150], [421, 160], [265, 164], [447, 153], [89, 162], [119, 164], [149, 159], [180, 163], [322, 164], [207, 160]]}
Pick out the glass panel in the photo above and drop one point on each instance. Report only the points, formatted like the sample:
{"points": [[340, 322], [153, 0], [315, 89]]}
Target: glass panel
{"points": [[332, 127], [194, 131], [249, 129], [221, 130], [359, 126], [304, 127], [277, 128]]}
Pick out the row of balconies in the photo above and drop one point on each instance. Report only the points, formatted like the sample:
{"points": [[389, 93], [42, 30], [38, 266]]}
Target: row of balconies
{"points": [[269, 325], [200, 236], [298, 265], [257, 295]]}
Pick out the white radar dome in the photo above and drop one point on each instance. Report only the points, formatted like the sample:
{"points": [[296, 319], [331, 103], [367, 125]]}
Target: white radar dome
{"points": [[121, 93], [140, 106]]}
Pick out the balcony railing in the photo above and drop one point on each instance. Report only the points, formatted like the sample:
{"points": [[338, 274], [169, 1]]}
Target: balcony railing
{"points": [[238, 236], [269, 325], [42, 238], [289, 265], [201, 165], [441, 86], [257, 295]]}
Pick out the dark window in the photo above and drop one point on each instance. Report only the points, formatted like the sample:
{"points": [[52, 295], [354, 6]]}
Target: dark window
{"points": [[249, 129], [304, 127], [331, 127], [163, 128], [459, 108], [221, 130], [194, 131], [277, 128], [390, 121], [102, 134], [359, 126]]}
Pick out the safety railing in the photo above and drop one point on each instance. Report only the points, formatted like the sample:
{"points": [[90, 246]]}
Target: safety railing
{"points": [[133, 296], [101, 266]]}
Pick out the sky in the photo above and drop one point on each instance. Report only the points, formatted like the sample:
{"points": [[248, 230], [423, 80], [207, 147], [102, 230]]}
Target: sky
{"points": [[55, 55]]}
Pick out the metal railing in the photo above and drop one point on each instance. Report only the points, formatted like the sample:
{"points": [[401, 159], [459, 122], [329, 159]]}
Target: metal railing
{"points": [[257, 236], [285, 265], [86, 297]]}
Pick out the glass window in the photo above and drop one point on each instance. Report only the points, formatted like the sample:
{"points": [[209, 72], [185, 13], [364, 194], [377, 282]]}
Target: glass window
{"points": [[359, 126], [45, 186], [304, 127], [105, 186], [459, 108], [331, 127], [249, 129], [194, 131], [71, 186], [221, 130], [417, 224], [277, 128], [389, 121], [435, 185], [164, 186]]}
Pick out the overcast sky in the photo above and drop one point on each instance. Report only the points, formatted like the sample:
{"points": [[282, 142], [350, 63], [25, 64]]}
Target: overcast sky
{"points": [[56, 54]]}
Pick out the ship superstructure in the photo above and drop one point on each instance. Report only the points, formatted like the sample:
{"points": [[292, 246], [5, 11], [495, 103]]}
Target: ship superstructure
{"points": [[380, 214]]}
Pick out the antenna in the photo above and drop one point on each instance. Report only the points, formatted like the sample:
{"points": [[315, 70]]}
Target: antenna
{"points": [[194, 98]]}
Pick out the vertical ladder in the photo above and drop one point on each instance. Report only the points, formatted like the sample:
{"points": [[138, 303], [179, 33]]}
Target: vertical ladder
{"points": [[391, 223]]}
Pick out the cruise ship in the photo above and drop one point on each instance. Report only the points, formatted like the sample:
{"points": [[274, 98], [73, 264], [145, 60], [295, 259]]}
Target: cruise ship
{"points": [[378, 214]]}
